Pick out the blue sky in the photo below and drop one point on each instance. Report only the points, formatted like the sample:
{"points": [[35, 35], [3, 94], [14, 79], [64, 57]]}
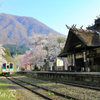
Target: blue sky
{"points": [[55, 13]]}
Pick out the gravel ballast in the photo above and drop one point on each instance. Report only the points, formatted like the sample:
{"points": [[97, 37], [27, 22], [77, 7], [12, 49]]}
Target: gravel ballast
{"points": [[80, 93]]}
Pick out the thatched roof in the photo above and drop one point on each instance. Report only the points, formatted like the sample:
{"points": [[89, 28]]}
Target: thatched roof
{"points": [[88, 37]]}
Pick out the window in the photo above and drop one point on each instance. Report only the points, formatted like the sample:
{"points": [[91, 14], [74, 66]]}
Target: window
{"points": [[7, 66], [4, 66], [11, 65]]}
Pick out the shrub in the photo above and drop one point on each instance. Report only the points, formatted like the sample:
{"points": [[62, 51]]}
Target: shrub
{"points": [[36, 68]]}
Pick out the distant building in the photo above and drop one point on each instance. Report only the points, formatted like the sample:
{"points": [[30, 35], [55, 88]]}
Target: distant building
{"points": [[96, 26]]}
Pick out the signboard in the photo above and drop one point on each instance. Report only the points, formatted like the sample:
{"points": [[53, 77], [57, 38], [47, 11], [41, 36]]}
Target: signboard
{"points": [[73, 59], [60, 62], [84, 53], [65, 65], [92, 53], [98, 50]]}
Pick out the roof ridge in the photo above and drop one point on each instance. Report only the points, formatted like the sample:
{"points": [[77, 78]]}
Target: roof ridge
{"points": [[80, 30]]}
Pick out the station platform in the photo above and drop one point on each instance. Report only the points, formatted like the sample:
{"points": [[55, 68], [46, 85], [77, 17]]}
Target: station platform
{"points": [[58, 72], [75, 76]]}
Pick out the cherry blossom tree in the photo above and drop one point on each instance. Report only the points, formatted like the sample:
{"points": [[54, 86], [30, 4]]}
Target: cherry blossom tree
{"points": [[26, 60], [44, 46]]}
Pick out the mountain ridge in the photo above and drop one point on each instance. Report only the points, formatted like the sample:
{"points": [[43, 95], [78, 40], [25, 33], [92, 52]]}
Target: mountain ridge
{"points": [[16, 29]]}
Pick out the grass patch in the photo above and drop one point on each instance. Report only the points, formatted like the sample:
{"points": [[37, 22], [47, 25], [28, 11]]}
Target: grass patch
{"points": [[70, 93], [8, 92], [5, 92], [50, 93]]}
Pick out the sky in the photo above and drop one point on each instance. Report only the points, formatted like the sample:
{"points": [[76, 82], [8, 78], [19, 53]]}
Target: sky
{"points": [[56, 14]]}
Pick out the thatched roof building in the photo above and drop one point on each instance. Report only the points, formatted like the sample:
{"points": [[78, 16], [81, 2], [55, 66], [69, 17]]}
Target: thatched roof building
{"points": [[79, 44], [80, 37]]}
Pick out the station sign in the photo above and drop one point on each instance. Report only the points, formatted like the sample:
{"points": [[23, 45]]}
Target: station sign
{"points": [[84, 53], [60, 62], [73, 60]]}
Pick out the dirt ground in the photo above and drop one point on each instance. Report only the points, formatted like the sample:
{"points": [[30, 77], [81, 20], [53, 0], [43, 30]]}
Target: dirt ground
{"points": [[21, 93]]}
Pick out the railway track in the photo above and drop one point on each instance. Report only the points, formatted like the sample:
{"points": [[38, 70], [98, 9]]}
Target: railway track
{"points": [[73, 84], [43, 92], [82, 85], [23, 85]]}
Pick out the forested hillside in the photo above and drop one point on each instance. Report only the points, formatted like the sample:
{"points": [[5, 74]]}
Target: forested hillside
{"points": [[15, 49], [4, 56]]}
